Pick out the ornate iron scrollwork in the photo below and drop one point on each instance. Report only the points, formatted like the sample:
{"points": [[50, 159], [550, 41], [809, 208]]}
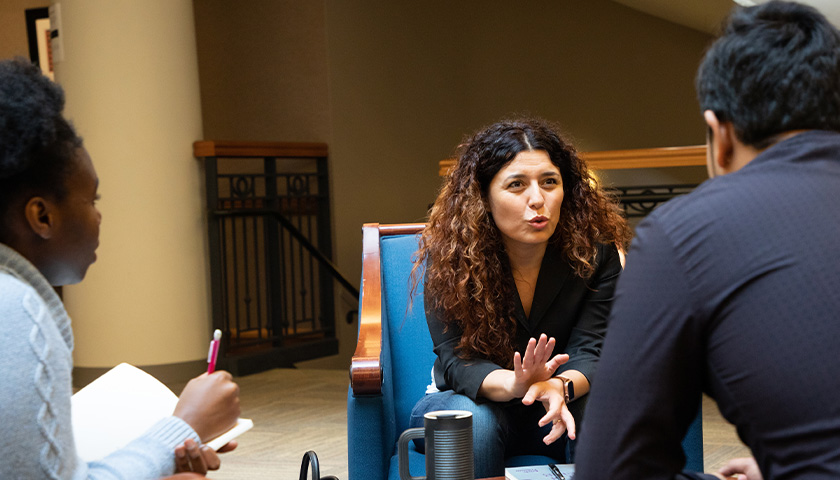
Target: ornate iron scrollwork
{"points": [[242, 186], [640, 201], [298, 185]]}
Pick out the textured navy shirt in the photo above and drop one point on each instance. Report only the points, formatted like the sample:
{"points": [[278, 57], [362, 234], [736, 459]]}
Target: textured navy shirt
{"points": [[732, 290]]}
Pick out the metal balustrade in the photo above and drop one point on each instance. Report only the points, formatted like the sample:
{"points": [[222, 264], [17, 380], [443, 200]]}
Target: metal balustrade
{"points": [[272, 279], [637, 202]]}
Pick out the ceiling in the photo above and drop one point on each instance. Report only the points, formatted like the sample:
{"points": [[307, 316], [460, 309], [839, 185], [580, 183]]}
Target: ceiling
{"points": [[707, 15]]}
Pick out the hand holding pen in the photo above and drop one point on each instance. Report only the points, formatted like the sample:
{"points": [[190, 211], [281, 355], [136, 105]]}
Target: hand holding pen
{"points": [[210, 403]]}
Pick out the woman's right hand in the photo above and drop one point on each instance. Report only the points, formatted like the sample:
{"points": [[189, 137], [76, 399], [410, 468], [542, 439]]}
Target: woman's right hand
{"points": [[741, 469], [537, 366], [551, 393], [209, 404]]}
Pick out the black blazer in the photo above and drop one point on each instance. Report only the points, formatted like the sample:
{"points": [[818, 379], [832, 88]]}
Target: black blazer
{"points": [[572, 310]]}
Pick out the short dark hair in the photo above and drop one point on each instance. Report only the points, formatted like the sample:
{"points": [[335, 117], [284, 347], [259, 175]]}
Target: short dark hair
{"points": [[775, 68], [37, 144]]}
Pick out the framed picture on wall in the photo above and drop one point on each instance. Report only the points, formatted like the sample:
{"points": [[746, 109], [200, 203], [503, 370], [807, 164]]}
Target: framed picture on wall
{"points": [[38, 33]]}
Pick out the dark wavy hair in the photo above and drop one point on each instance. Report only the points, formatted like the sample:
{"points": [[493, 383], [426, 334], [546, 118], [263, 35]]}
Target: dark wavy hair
{"points": [[37, 144], [467, 271], [775, 68]]}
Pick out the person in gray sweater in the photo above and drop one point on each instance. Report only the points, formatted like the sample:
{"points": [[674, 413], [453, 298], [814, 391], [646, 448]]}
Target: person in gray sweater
{"points": [[49, 232]]}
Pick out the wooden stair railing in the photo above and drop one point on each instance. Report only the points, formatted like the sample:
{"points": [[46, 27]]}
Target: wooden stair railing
{"points": [[635, 158], [215, 148]]}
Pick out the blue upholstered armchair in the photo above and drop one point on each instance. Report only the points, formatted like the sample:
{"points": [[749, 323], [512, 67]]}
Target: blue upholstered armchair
{"points": [[393, 361]]}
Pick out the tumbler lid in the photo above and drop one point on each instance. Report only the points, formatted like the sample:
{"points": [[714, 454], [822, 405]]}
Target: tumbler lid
{"points": [[440, 414]]}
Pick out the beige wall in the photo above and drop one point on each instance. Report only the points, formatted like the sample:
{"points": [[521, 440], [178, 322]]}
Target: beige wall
{"points": [[13, 26], [407, 80], [263, 70], [131, 75]]}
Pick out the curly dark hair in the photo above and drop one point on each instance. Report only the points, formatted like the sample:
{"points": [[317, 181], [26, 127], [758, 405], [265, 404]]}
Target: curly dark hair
{"points": [[466, 267], [776, 68], [37, 144]]}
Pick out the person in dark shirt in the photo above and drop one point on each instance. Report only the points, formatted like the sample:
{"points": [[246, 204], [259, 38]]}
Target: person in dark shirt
{"points": [[734, 289], [520, 255]]}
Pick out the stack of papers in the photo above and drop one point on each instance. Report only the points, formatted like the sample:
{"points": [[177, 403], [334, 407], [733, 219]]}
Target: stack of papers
{"points": [[123, 404]]}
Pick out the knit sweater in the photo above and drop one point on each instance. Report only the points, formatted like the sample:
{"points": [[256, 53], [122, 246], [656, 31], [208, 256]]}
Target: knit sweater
{"points": [[36, 364]]}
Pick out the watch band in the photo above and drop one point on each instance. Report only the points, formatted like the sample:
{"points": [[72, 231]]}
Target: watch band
{"points": [[568, 388]]}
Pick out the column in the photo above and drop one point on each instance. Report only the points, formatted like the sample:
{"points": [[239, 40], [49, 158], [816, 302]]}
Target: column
{"points": [[130, 73]]}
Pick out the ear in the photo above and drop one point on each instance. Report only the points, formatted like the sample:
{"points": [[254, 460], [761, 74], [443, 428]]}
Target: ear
{"points": [[40, 217], [722, 141]]}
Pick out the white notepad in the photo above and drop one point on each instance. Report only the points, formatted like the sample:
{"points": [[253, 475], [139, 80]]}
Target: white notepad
{"points": [[539, 472], [123, 404]]}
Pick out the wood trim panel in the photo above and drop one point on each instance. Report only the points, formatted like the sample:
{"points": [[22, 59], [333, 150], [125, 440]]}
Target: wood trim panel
{"points": [[647, 158], [444, 166], [635, 158], [215, 148], [366, 366]]}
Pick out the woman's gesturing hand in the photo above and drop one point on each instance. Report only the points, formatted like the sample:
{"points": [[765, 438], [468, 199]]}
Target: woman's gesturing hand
{"points": [[536, 366], [551, 394], [741, 469]]}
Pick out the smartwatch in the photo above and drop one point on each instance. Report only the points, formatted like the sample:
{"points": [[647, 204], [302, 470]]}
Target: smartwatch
{"points": [[568, 388]]}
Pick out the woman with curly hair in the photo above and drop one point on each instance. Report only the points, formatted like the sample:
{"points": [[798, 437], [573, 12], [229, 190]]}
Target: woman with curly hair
{"points": [[521, 255], [49, 232]]}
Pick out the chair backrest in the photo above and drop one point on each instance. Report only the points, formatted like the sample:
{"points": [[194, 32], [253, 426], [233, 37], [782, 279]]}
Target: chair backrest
{"points": [[404, 326], [384, 386]]}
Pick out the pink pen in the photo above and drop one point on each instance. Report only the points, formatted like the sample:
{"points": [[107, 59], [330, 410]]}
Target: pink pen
{"points": [[213, 354]]}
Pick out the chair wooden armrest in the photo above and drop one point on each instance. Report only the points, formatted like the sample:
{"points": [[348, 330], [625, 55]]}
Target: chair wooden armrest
{"points": [[366, 366]]}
